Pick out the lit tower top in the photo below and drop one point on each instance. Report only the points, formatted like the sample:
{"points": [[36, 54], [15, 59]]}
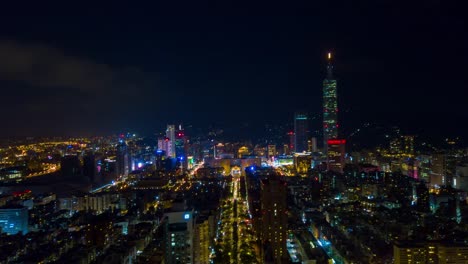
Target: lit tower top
{"points": [[330, 104], [329, 66]]}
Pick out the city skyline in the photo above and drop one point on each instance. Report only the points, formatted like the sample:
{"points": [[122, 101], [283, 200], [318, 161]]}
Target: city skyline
{"points": [[87, 76], [259, 133]]}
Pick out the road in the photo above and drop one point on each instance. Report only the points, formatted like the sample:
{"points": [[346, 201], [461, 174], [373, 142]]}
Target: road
{"points": [[48, 170]]}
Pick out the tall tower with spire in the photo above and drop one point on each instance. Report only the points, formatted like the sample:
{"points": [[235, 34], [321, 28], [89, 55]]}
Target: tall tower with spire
{"points": [[330, 105]]}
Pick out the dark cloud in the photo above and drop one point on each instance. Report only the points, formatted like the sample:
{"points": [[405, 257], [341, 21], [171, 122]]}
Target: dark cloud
{"points": [[47, 90], [41, 66]]}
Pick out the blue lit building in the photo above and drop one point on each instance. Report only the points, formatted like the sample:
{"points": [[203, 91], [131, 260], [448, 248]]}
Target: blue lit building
{"points": [[14, 219], [180, 147]]}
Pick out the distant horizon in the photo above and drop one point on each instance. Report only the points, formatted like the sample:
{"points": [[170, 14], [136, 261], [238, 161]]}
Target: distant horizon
{"points": [[162, 62], [249, 132]]}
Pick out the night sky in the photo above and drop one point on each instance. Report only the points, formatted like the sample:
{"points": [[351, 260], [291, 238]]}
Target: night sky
{"points": [[85, 69]]}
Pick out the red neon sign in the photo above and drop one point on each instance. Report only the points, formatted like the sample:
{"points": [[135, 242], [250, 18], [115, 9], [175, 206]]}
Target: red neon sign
{"points": [[336, 141]]}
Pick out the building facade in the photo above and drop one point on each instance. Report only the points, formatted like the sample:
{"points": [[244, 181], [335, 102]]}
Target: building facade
{"points": [[14, 220], [178, 237], [171, 135], [336, 155], [330, 105], [274, 219], [301, 129]]}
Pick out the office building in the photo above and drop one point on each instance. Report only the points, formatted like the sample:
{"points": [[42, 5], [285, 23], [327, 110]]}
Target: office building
{"points": [[312, 145], [301, 130], [180, 147], [422, 193], [274, 219], [123, 159], [402, 146], [460, 180], [291, 138], [171, 135], [202, 241], [164, 145], [302, 163], [12, 174], [91, 203], [13, 219], [178, 237], [438, 162], [159, 159], [336, 155], [109, 170], [417, 253], [89, 167], [330, 105], [406, 252], [70, 167], [408, 145], [271, 151], [452, 254]]}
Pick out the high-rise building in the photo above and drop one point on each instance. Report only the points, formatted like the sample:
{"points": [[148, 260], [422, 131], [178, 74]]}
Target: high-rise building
{"points": [[312, 144], [123, 159], [336, 155], [408, 145], [330, 105], [90, 167], [178, 237], [302, 163], [301, 129], [70, 167], [202, 240], [164, 145], [402, 146], [14, 219], [271, 151], [171, 135], [422, 193], [438, 174], [292, 139], [180, 146], [274, 219], [109, 170]]}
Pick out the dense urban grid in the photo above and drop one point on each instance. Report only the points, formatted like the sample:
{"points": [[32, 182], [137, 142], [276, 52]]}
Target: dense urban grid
{"points": [[182, 197]]}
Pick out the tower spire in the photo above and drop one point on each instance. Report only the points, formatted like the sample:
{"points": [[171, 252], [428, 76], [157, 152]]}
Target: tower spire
{"points": [[329, 66]]}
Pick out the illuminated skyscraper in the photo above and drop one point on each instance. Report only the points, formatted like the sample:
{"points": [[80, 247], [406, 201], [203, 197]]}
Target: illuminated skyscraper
{"points": [[123, 159], [330, 105], [164, 145], [170, 133], [301, 129], [180, 146]]}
